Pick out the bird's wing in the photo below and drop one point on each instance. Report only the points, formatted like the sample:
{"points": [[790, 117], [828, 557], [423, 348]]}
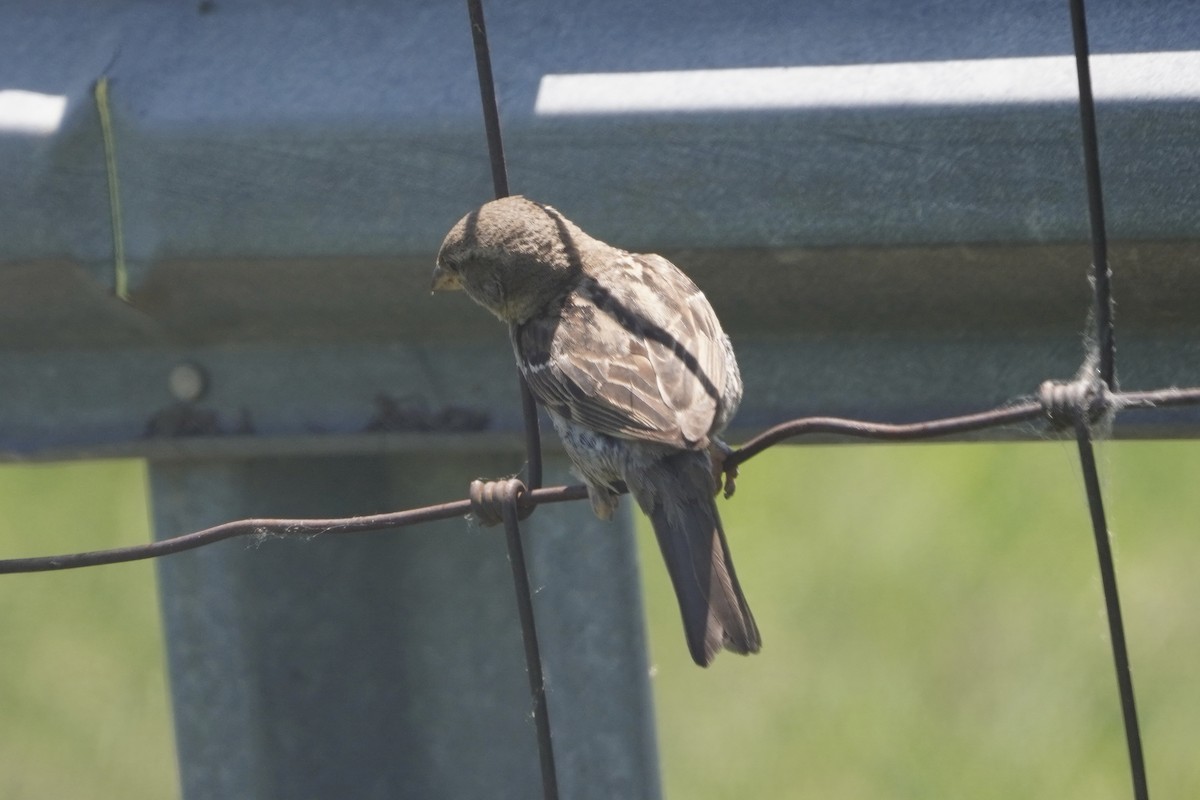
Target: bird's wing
{"points": [[636, 352]]}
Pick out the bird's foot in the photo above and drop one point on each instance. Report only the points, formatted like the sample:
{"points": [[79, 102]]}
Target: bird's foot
{"points": [[724, 474], [604, 501]]}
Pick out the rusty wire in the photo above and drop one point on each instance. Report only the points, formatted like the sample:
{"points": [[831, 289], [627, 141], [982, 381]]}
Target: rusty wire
{"points": [[1024, 410], [1068, 404]]}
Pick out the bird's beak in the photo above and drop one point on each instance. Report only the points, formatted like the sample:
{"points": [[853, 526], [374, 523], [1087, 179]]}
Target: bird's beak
{"points": [[444, 280]]}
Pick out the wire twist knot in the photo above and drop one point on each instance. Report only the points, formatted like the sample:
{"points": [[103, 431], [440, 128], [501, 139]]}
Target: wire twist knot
{"points": [[1066, 401], [489, 497]]}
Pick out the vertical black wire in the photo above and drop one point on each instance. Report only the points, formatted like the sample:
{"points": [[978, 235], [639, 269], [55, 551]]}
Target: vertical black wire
{"points": [[487, 93], [1105, 339], [533, 436], [1106, 345], [491, 123], [533, 445], [533, 657], [1112, 604]]}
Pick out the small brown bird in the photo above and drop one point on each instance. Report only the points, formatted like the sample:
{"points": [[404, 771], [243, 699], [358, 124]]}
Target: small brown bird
{"points": [[628, 357]]}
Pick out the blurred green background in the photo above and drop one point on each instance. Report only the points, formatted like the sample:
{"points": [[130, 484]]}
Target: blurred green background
{"points": [[932, 620]]}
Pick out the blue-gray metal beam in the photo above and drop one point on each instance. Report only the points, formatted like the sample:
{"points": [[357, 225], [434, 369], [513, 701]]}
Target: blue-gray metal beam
{"points": [[390, 664], [286, 173], [265, 400], [264, 130]]}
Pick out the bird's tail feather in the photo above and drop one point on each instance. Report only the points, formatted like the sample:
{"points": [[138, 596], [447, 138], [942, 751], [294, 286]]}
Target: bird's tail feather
{"points": [[678, 497]]}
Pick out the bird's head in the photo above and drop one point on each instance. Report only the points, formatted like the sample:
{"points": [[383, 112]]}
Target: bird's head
{"points": [[512, 256]]}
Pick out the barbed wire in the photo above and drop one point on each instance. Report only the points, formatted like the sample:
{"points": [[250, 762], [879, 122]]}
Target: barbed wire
{"points": [[1024, 410], [1074, 404], [1048, 405]]}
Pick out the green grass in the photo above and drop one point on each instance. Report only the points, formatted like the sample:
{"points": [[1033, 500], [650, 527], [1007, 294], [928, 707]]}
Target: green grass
{"points": [[932, 620], [933, 627], [83, 710]]}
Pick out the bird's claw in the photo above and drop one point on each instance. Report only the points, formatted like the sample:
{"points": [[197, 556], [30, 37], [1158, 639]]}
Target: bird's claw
{"points": [[604, 501], [730, 475], [724, 473]]}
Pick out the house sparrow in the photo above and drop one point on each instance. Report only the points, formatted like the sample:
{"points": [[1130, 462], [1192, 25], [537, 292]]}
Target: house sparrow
{"points": [[628, 358]]}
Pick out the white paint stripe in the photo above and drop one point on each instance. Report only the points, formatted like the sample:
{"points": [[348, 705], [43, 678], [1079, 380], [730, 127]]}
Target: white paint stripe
{"points": [[30, 112], [1125, 76]]}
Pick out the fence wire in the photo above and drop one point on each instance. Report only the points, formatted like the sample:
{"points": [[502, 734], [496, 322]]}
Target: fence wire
{"points": [[1075, 405]]}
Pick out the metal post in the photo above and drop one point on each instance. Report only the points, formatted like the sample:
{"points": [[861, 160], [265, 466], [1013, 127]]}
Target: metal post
{"points": [[389, 665]]}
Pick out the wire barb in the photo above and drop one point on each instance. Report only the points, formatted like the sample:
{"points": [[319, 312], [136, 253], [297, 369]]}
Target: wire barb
{"points": [[1084, 398], [488, 497]]}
